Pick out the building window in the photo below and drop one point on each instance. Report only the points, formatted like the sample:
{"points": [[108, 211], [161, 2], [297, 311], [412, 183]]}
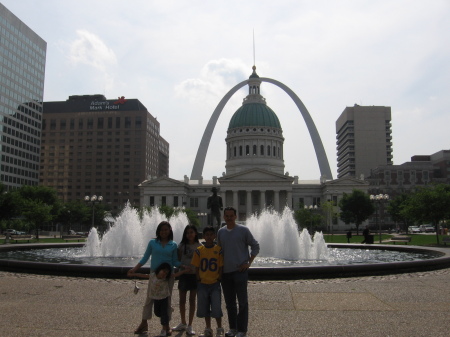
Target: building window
{"points": [[254, 150], [262, 150], [316, 201], [193, 202], [175, 201], [301, 202]]}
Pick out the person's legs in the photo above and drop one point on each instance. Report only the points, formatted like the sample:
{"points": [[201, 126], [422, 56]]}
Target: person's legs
{"points": [[241, 282], [229, 294], [183, 306], [192, 298], [164, 303]]}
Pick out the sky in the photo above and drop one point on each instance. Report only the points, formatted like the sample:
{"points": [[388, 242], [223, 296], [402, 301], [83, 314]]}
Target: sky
{"points": [[179, 58]]}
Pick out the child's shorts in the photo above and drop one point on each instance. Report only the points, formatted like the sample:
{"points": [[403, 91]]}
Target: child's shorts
{"points": [[187, 282], [209, 302]]}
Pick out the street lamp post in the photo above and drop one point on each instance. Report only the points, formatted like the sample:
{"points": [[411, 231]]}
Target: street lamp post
{"points": [[378, 199], [202, 216], [92, 200], [311, 208]]}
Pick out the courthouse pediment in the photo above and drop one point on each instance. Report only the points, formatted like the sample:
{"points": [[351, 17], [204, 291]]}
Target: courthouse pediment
{"points": [[162, 181], [256, 175]]}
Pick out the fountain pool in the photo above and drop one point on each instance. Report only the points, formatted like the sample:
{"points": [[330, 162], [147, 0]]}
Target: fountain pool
{"points": [[285, 252]]}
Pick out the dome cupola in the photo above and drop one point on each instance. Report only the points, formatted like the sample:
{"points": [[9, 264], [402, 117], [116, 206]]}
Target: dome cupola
{"points": [[254, 136]]}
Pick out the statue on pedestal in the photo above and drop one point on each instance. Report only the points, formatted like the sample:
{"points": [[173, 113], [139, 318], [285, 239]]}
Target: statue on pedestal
{"points": [[216, 206]]}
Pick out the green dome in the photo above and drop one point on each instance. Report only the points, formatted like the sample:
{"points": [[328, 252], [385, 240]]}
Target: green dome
{"points": [[254, 114]]}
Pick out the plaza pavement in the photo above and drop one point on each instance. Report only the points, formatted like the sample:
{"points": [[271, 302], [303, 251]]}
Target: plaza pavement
{"points": [[413, 304]]}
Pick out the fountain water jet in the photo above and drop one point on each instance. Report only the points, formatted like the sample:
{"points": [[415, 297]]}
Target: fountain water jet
{"points": [[277, 234], [279, 237], [130, 234]]}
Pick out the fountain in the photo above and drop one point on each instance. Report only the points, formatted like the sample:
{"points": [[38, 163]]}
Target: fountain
{"points": [[285, 252]]}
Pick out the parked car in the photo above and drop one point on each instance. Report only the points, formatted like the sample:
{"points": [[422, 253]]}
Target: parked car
{"points": [[414, 229], [426, 229], [11, 232]]}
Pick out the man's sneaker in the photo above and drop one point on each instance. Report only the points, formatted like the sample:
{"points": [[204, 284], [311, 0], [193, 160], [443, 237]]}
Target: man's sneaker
{"points": [[180, 327], [220, 332], [241, 334], [207, 333], [189, 330], [231, 333]]}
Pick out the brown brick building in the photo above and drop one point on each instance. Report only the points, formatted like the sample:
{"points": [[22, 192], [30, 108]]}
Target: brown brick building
{"points": [[91, 145]]}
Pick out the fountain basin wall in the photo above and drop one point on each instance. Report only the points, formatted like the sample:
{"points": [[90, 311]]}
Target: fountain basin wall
{"points": [[441, 260]]}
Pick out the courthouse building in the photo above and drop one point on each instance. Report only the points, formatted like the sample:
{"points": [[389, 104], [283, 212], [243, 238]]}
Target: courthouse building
{"points": [[255, 176]]}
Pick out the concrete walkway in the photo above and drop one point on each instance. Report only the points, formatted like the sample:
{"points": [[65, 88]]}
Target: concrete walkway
{"points": [[416, 304]]}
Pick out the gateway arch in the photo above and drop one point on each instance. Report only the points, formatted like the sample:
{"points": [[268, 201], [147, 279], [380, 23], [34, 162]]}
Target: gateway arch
{"points": [[322, 159]]}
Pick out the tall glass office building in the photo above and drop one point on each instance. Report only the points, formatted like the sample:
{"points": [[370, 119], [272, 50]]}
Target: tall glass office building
{"points": [[22, 72]]}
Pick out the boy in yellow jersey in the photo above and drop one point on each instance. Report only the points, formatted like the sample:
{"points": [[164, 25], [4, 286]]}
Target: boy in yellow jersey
{"points": [[208, 260]]}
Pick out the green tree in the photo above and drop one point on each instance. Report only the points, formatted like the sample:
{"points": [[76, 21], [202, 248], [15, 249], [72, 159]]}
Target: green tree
{"points": [[355, 208], [429, 204], [302, 217], [8, 206], [308, 218], [36, 213], [74, 212], [395, 209]]}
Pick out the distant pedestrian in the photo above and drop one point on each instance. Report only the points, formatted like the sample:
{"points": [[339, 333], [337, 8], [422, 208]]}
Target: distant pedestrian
{"points": [[349, 235], [366, 233]]}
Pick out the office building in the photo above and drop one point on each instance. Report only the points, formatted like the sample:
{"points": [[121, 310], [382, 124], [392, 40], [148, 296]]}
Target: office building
{"points": [[364, 140], [94, 146], [22, 71]]}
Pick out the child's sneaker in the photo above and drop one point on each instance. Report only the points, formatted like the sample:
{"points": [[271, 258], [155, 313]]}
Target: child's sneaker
{"points": [[180, 327], [231, 333], [220, 332], [189, 330], [207, 333], [163, 333]]}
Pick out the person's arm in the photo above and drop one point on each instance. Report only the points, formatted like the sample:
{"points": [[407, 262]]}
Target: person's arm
{"points": [[147, 253], [132, 271], [175, 261], [180, 253], [254, 250], [179, 272]]}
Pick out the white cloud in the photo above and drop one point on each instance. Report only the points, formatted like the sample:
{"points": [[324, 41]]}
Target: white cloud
{"points": [[89, 49], [215, 79]]}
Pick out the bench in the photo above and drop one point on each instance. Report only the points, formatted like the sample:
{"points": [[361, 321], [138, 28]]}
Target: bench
{"points": [[446, 239], [21, 237], [404, 239], [73, 237]]}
